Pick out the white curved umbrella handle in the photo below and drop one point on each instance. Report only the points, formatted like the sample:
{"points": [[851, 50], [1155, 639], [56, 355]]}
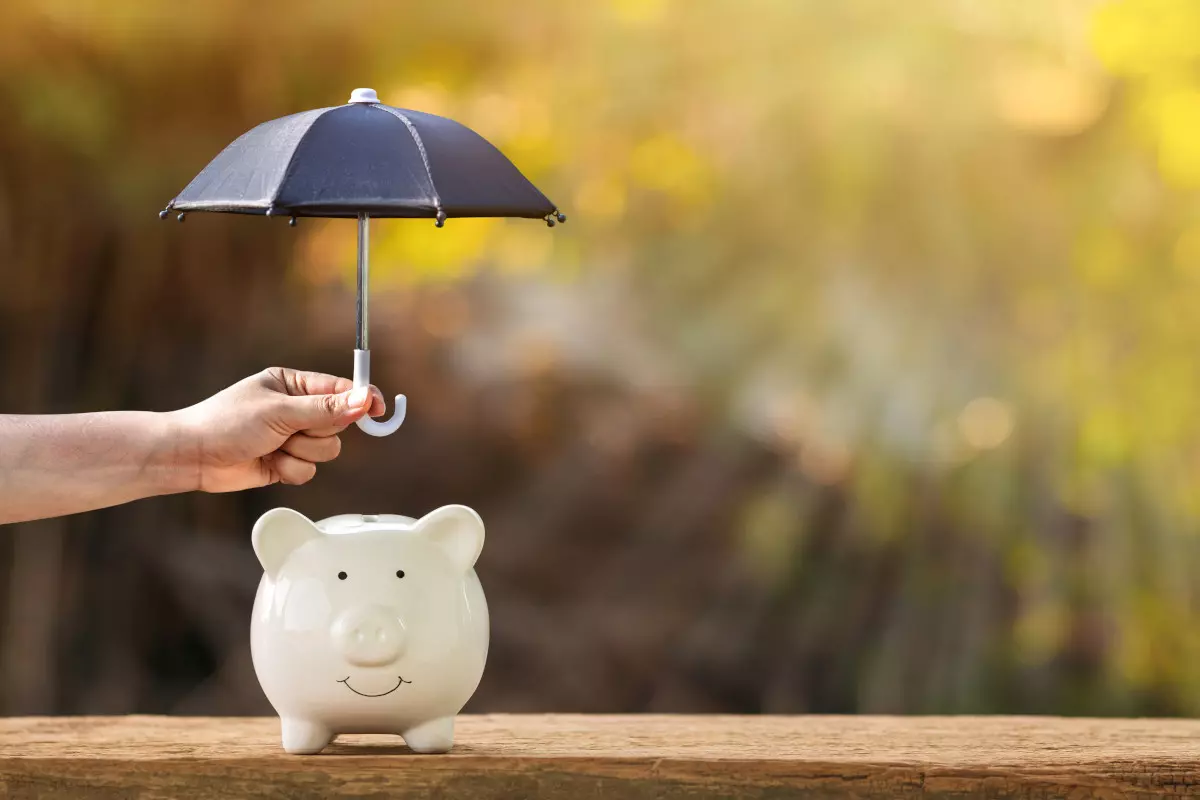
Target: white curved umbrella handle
{"points": [[362, 377]]}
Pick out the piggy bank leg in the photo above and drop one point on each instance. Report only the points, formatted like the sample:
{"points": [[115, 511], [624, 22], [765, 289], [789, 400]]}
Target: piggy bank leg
{"points": [[435, 736], [302, 737]]}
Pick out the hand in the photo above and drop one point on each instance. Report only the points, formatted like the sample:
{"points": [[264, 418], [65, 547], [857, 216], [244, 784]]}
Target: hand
{"points": [[273, 427]]}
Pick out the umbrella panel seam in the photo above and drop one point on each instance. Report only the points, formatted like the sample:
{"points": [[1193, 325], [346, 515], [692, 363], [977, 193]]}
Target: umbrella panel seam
{"points": [[287, 170], [416, 137]]}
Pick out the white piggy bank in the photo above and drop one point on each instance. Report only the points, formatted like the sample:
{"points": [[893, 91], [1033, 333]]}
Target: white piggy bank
{"points": [[369, 624]]}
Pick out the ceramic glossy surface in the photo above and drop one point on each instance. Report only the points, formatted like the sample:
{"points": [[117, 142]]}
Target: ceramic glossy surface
{"points": [[369, 624]]}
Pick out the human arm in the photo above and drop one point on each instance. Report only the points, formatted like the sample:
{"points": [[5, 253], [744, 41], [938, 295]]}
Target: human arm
{"points": [[273, 427]]}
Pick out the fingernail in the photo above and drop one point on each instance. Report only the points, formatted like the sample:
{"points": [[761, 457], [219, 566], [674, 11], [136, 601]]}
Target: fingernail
{"points": [[358, 397]]}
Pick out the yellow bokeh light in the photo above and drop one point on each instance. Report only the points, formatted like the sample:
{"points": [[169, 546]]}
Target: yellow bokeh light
{"points": [[639, 12], [1049, 99], [1142, 37], [1177, 114], [986, 423], [404, 251], [668, 164]]}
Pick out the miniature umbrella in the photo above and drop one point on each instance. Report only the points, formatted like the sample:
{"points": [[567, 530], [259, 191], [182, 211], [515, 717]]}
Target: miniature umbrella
{"points": [[360, 160]]}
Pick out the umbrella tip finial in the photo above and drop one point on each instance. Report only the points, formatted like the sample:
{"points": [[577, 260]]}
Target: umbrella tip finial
{"points": [[560, 216], [363, 96], [164, 213], [181, 216], [292, 222], [440, 219]]}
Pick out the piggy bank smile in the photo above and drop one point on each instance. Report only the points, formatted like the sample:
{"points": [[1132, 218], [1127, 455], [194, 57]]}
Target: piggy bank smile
{"points": [[369, 624], [399, 681]]}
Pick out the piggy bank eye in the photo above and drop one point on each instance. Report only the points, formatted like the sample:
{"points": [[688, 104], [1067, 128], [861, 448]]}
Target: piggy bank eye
{"points": [[341, 576], [399, 573]]}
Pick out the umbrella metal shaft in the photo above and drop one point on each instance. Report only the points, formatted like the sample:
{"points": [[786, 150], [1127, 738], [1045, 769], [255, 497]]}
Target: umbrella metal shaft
{"points": [[363, 281]]}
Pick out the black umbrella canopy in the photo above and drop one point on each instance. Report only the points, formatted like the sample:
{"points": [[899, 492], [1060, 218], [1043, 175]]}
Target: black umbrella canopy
{"points": [[364, 157], [363, 160]]}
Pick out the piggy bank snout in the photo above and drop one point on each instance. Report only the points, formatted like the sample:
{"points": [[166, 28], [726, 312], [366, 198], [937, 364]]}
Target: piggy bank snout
{"points": [[369, 636]]}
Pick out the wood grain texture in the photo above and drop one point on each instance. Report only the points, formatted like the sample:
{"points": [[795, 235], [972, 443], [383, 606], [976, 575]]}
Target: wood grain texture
{"points": [[573, 756]]}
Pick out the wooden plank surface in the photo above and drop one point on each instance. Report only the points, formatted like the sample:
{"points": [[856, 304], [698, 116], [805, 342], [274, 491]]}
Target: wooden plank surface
{"points": [[570, 756]]}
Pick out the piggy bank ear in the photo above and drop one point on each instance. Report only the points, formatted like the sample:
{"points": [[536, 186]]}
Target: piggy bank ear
{"points": [[277, 533], [457, 530]]}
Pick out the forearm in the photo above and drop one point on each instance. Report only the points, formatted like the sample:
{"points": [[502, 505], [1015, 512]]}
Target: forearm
{"points": [[64, 464]]}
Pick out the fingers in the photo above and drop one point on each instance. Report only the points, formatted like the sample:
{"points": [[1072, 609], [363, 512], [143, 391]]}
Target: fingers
{"points": [[323, 413], [376, 408], [296, 462], [286, 468], [313, 448], [299, 383], [319, 404], [378, 404]]}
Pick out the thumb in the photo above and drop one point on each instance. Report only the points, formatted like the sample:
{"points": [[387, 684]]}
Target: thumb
{"points": [[326, 410]]}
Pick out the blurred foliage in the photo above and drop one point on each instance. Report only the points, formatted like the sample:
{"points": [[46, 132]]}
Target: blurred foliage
{"points": [[861, 378]]}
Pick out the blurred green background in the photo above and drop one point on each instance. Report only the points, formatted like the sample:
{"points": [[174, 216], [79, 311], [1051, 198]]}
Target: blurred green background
{"points": [[862, 379]]}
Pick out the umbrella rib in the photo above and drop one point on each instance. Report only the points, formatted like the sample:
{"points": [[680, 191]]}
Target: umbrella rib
{"points": [[287, 170], [416, 137]]}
